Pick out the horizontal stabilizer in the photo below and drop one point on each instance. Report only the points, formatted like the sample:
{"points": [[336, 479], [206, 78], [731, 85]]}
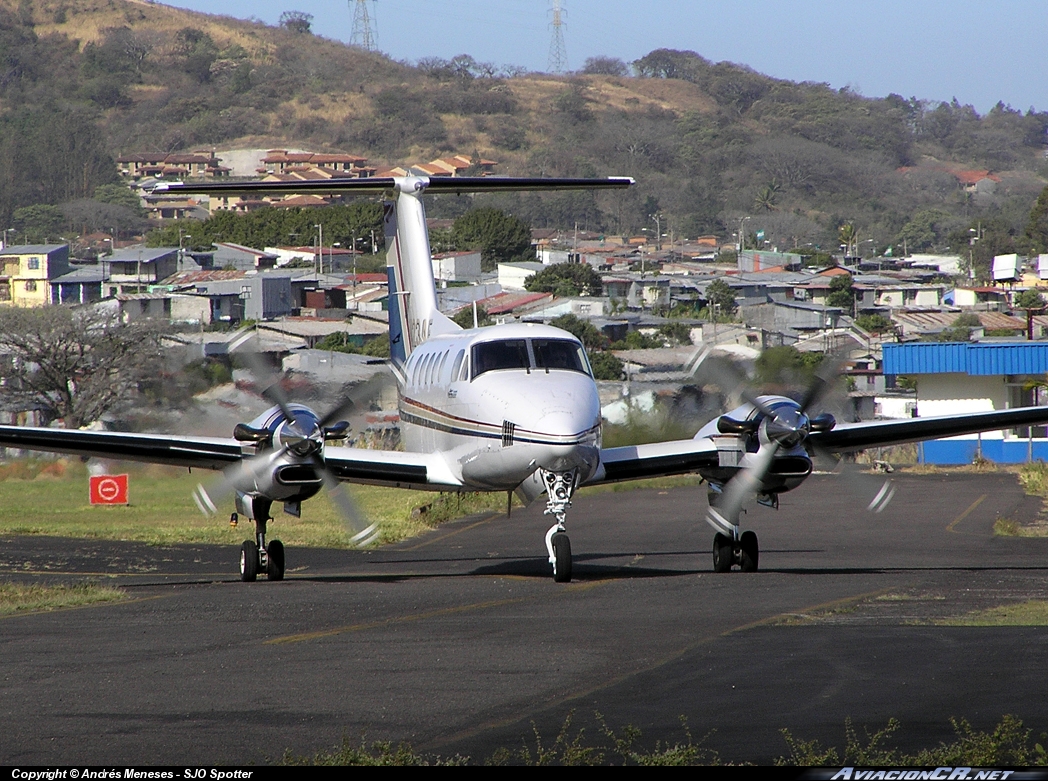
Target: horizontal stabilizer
{"points": [[437, 184]]}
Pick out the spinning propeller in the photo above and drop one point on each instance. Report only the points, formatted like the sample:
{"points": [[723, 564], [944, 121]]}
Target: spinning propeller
{"points": [[296, 440], [778, 426]]}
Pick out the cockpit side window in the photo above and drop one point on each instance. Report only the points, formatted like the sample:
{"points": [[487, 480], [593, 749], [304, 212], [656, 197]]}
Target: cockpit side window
{"points": [[558, 354], [503, 354]]}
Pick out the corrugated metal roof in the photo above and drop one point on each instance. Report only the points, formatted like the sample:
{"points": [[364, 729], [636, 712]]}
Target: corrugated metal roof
{"points": [[966, 358]]}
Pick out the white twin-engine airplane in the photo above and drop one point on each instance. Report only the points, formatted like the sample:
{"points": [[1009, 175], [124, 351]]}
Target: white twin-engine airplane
{"points": [[501, 408]]}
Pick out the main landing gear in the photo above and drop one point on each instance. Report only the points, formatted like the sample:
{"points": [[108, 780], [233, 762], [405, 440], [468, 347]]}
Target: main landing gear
{"points": [[559, 488], [727, 551], [257, 557], [731, 545]]}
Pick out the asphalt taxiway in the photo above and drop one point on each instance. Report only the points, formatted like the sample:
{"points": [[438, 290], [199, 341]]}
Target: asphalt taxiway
{"points": [[459, 642]]}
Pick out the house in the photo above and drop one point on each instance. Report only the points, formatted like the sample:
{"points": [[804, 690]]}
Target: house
{"points": [[281, 161], [172, 307], [179, 165], [80, 286], [637, 290], [26, 272], [134, 269], [457, 266], [513, 275], [965, 377]]}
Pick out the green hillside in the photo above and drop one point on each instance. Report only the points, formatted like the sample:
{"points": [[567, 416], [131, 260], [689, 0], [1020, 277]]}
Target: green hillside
{"points": [[82, 81]]}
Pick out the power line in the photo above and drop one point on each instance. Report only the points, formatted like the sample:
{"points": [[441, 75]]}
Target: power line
{"points": [[558, 54], [363, 34]]}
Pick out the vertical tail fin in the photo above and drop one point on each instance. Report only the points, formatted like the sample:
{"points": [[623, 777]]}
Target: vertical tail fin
{"points": [[413, 313]]}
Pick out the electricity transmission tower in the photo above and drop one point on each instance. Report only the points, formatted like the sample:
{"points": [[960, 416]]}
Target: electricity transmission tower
{"points": [[558, 55], [363, 35]]}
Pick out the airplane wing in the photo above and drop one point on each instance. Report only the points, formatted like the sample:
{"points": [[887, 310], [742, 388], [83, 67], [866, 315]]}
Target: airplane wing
{"points": [[353, 465], [654, 460], [426, 471], [880, 433], [200, 452]]}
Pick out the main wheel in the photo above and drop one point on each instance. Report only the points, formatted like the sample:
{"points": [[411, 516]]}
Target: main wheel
{"points": [[275, 569], [562, 555], [750, 551], [722, 553], [248, 561]]}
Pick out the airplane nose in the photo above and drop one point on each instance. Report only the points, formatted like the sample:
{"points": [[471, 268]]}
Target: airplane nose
{"points": [[572, 439]]}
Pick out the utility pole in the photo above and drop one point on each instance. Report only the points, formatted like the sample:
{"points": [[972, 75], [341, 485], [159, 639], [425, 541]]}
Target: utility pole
{"points": [[363, 36], [558, 55]]}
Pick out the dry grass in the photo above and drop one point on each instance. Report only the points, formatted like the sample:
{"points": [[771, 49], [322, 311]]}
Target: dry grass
{"points": [[18, 597], [1031, 613]]}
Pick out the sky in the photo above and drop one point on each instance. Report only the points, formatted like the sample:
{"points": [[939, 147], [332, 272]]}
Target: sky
{"points": [[978, 52]]}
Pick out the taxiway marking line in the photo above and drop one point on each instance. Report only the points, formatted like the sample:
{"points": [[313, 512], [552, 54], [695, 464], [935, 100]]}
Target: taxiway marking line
{"points": [[447, 611], [965, 514]]}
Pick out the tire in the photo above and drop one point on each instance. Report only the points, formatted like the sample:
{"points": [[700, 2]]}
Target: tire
{"points": [[248, 561], [722, 553], [562, 553], [275, 568], [750, 551]]}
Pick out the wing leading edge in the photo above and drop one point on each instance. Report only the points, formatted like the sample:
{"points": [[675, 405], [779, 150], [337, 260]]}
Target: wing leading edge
{"points": [[856, 436], [377, 467], [658, 459]]}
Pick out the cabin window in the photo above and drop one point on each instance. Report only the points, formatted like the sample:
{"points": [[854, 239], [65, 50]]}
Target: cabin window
{"points": [[558, 354], [456, 367], [427, 375], [503, 354], [443, 360]]}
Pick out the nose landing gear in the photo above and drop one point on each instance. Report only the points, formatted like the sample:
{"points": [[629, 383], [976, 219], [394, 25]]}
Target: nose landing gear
{"points": [[559, 488]]}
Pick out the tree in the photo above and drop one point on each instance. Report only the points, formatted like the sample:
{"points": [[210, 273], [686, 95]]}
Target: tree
{"points": [[874, 323], [297, 22], [606, 366], [464, 317], [500, 237], [720, 297], [1032, 301], [566, 279], [605, 66], [39, 222], [75, 364], [787, 365], [1037, 225], [583, 330], [841, 293]]}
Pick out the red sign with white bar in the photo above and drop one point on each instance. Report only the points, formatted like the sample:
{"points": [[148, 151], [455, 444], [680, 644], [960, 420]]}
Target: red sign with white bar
{"points": [[108, 489]]}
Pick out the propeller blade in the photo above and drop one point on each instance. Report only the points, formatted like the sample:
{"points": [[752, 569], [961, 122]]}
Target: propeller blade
{"points": [[725, 513], [241, 476], [361, 533], [270, 382], [880, 490], [728, 376]]}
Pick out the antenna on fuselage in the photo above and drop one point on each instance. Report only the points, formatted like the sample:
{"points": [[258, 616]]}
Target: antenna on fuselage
{"points": [[476, 322]]}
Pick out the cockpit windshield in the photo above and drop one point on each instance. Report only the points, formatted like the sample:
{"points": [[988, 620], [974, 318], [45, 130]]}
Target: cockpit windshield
{"points": [[529, 354]]}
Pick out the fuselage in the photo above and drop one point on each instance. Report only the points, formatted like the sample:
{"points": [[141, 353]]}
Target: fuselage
{"points": [[501, 402]]}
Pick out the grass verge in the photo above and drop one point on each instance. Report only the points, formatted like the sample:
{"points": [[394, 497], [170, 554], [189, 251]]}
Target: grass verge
{"points": [[1033, 612], [50, 498], [1008, 744], [18, 597], [1034, 480]]}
